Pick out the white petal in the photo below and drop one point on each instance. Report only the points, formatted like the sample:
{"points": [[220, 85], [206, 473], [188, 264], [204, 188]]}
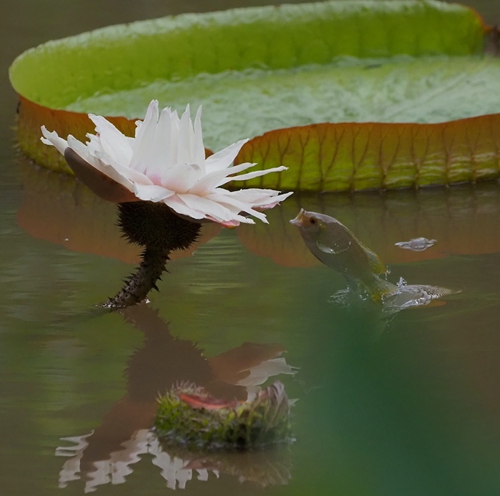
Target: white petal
{"points": [[152, 192], [259, 198], [217, 178], [96, 162], [175, 203], [201, 208], [198, 146], [186, 139], [52, 138], [230, 200], [85, 152], [166, 137], [113, 141], [251, 175], [135, 177], [144, 139], [94, 145], [182, 177], [207, 206], [223, 158]]}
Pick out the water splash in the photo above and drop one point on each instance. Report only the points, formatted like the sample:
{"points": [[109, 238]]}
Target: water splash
{"points": [[417, 244], [412, 295]]}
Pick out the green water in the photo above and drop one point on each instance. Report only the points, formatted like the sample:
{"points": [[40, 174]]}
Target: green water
{"points": [[406, 405]]}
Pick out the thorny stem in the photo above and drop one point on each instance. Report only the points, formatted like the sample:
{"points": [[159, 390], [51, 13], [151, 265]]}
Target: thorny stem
{"points": [[138, 285], [160, 231]]}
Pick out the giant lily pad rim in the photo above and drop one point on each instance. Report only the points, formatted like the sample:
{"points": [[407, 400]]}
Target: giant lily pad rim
{"points": [[460, 32], [66, 67]]}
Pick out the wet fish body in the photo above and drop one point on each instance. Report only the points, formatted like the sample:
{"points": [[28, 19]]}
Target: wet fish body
{"points": [[336, 246]]}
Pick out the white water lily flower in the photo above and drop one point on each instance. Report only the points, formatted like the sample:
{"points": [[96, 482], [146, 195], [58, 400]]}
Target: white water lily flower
{"points": [[165, 162]]}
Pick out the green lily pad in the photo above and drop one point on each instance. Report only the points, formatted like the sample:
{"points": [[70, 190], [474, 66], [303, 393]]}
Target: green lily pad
{"points": [[249, 103], [263, 69], [125, 56]]}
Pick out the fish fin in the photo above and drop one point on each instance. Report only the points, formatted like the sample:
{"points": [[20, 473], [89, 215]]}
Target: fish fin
{"points": [[376, 265], [329, 249]]}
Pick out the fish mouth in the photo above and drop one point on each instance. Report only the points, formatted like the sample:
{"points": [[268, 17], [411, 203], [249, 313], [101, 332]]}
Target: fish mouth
{"points": [[299, 220]]}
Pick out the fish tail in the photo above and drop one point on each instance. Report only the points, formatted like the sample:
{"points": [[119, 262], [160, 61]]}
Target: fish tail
{"points": [[378, 288]]}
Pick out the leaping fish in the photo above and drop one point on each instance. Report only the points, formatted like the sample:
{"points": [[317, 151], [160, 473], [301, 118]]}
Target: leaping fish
{"points": [[336, 246]]}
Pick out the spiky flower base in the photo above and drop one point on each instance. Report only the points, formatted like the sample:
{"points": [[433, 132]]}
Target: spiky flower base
{"points": [[188, 416], [160, 231]]}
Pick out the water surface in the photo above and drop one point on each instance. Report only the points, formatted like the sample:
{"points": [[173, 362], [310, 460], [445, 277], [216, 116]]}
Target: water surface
{"points": [[406, 405]]}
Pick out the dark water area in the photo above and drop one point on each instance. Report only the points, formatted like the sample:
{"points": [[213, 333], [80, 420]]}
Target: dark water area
{"points": [[391, 405]]}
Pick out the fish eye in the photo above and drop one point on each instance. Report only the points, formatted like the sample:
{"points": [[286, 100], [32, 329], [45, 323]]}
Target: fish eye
{"points": [[312, 220]]}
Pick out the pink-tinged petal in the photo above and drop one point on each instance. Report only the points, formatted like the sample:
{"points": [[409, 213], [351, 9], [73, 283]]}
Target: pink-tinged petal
{"points": [[215, 179], [166, 162], [230, 224], [152, 192], [251, 175], [182, 177], [53, 139], [101, 184], [223, 158]]}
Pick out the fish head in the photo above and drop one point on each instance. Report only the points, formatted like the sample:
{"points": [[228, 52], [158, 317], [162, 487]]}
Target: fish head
{"points": [[311, 224]]}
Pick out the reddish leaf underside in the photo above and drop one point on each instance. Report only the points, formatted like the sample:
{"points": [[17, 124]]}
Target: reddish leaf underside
{"points": [[333, 157], [360, 156], [34, 116]]}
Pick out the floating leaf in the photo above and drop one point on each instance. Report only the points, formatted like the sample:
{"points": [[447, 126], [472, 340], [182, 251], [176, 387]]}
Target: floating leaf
{"points": [[261, 69], [357, 156]]}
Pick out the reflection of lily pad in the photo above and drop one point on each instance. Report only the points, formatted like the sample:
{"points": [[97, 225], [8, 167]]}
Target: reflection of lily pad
{"points": [[260, 69], [57, 209], [461, 219]]}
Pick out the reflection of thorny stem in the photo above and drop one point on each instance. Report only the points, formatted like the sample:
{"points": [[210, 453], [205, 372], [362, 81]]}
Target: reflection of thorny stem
{"points": [[160, 231]]}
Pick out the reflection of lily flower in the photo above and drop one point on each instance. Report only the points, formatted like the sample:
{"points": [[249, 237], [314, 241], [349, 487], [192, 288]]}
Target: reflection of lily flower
{"points": [[177, 467], [165, 162], [176, 471], [107, 455]]}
